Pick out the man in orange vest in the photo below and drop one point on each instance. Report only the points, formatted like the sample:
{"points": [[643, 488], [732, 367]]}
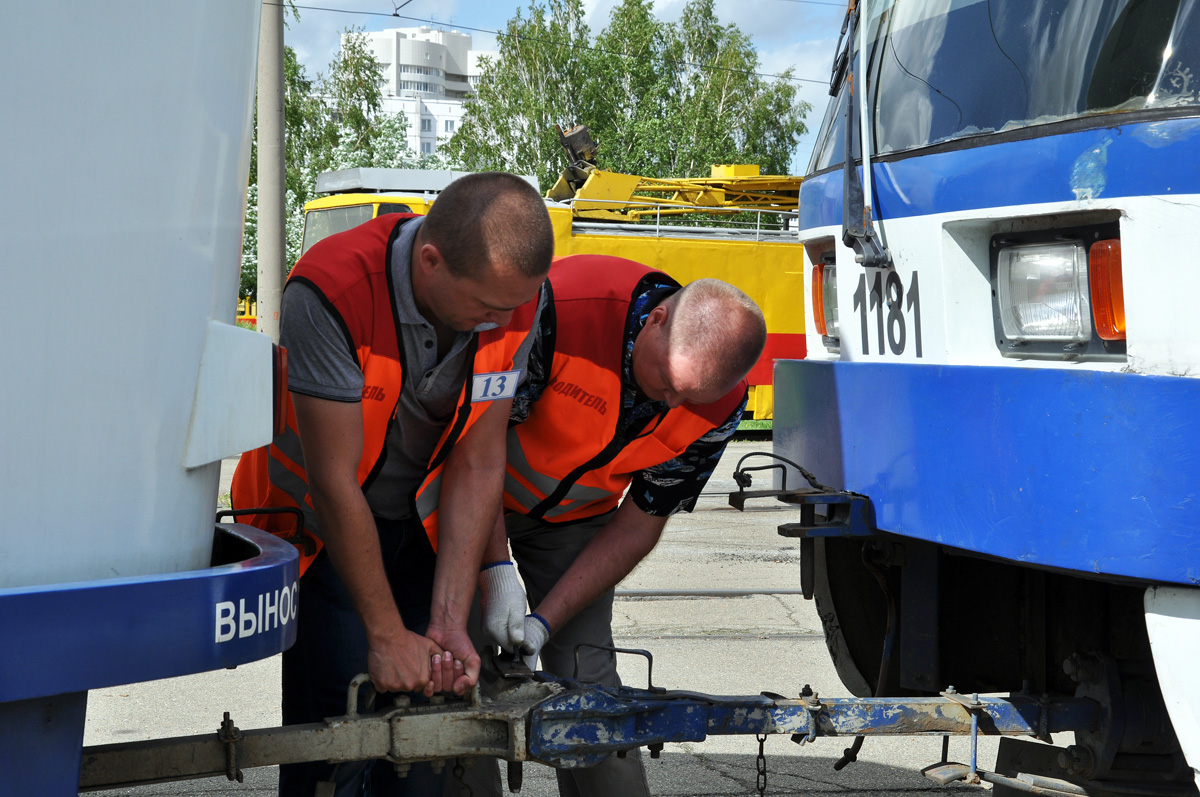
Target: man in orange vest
{"points": [[634, 383], [407, 337]]}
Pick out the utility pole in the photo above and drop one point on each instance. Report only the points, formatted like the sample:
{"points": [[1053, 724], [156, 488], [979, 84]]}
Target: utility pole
{"points": [[270, 168]]}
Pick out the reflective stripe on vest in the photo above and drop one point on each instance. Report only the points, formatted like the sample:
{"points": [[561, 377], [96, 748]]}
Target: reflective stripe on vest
{"points": [[429, 494], [288, 443], [518, 464]]}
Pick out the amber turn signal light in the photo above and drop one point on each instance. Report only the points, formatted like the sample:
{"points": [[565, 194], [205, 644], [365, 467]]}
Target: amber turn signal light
{"points": [[1108, 291]]}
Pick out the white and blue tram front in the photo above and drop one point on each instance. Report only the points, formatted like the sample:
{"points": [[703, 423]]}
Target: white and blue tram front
{"points": [[1006, 364]]}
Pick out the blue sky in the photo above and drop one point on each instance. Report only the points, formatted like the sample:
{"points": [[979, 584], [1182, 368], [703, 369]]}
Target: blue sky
{"points": [[788, 33]]}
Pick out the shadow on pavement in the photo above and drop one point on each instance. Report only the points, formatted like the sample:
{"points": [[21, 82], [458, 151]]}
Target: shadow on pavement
{"points": [[675, 774]]}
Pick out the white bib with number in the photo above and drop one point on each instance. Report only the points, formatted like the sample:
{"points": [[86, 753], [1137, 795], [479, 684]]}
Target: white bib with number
{"points": [[498, 385]]}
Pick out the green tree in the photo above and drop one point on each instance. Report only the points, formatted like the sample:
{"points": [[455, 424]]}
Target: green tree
{"points": [[726, 110], [305, 116], [304, 121], [249, 281], [661, 99], [630, 120], [389, 148], [539, 79], [332, 121], [351, 96]]}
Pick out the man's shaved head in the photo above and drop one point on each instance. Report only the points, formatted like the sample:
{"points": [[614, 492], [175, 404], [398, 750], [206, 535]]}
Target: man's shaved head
{"points": [[491, 218], [715, 324]]}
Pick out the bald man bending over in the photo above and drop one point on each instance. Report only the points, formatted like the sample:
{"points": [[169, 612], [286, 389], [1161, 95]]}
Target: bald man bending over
{"points": [[634, 383]]}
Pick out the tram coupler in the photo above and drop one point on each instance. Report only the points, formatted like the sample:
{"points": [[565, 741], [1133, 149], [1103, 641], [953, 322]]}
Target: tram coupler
{"points": [[846, 514], [562, 722], [489, 721], [584, 723]]}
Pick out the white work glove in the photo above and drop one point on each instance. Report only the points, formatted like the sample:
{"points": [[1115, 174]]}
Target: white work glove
{"points": [[503, 606], [537, 633]]}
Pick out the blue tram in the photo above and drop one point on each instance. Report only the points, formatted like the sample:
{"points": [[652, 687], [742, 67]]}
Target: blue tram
{"points": [[998, 225]]}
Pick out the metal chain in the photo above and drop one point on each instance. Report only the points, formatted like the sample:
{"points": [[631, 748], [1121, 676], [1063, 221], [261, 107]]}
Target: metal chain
{"points": [[458, 771], [761, 764]]}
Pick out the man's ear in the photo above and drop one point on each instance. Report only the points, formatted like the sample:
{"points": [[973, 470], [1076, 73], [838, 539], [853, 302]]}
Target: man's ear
{"points": [[429, 258], [658, 316]]}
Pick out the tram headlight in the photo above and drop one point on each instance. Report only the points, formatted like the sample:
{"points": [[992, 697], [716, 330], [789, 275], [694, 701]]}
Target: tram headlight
{"points": [[829, 300], [824, 299], [1043, 292]]}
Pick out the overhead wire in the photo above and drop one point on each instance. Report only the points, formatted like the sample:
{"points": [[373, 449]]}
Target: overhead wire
{"points": [[395, 14]]}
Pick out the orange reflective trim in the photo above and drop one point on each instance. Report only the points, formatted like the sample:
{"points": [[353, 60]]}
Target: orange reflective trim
{"points": [[277, 454], [252, 488], [496, 350], [377, 415]]}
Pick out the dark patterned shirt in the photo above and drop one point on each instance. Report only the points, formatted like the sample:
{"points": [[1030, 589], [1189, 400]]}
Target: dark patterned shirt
{"points": [[672, 486]]}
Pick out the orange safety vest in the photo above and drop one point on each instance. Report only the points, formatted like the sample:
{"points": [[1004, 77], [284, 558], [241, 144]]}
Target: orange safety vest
{"points": [[566, 462], [352, 271]]}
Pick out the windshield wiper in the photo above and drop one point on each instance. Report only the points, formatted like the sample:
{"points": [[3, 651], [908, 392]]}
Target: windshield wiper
{"points": [[858, 228], [838, 75]]}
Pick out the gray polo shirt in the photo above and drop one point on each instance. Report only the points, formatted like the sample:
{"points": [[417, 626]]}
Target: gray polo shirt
{"points": [[320, 364]]}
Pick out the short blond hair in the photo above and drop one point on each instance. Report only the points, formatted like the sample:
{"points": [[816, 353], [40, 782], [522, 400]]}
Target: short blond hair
{"points": [[714, 323]]}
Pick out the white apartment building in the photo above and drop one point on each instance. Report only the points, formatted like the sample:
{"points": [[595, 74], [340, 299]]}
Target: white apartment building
{"points": [[427, 74]]}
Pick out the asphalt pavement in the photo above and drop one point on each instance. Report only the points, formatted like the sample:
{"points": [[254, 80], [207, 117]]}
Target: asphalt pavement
{"points": [[766, 641]]}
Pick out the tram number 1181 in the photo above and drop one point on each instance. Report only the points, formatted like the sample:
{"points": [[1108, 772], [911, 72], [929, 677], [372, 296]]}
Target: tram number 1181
{"points": [[886, 289]]}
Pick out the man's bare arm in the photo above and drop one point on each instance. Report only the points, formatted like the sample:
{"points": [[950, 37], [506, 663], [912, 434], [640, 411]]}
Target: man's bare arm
{"points": [[616, 549], [497, 545], [472, 485], [332, 439]]}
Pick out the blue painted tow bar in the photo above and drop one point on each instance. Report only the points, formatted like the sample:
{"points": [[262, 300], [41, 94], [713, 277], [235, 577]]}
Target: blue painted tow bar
{"points": [[582, 725]]}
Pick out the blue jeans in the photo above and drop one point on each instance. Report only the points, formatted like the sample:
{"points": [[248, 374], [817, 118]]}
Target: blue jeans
{"points": [[331, 648]]}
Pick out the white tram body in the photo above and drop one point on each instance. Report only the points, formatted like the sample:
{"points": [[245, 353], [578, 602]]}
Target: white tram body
{"points": [[126, 144]]}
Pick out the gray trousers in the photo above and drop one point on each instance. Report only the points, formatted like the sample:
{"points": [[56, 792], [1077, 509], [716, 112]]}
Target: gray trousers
{"points": [[543, 553]]}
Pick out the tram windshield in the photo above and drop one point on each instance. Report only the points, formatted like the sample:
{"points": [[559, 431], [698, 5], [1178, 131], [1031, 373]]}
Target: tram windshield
{"points": [[941, 70]]}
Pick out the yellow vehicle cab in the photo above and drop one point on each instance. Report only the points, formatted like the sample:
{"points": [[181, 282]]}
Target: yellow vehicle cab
{"points": [[337, 213], [354, 196]]}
